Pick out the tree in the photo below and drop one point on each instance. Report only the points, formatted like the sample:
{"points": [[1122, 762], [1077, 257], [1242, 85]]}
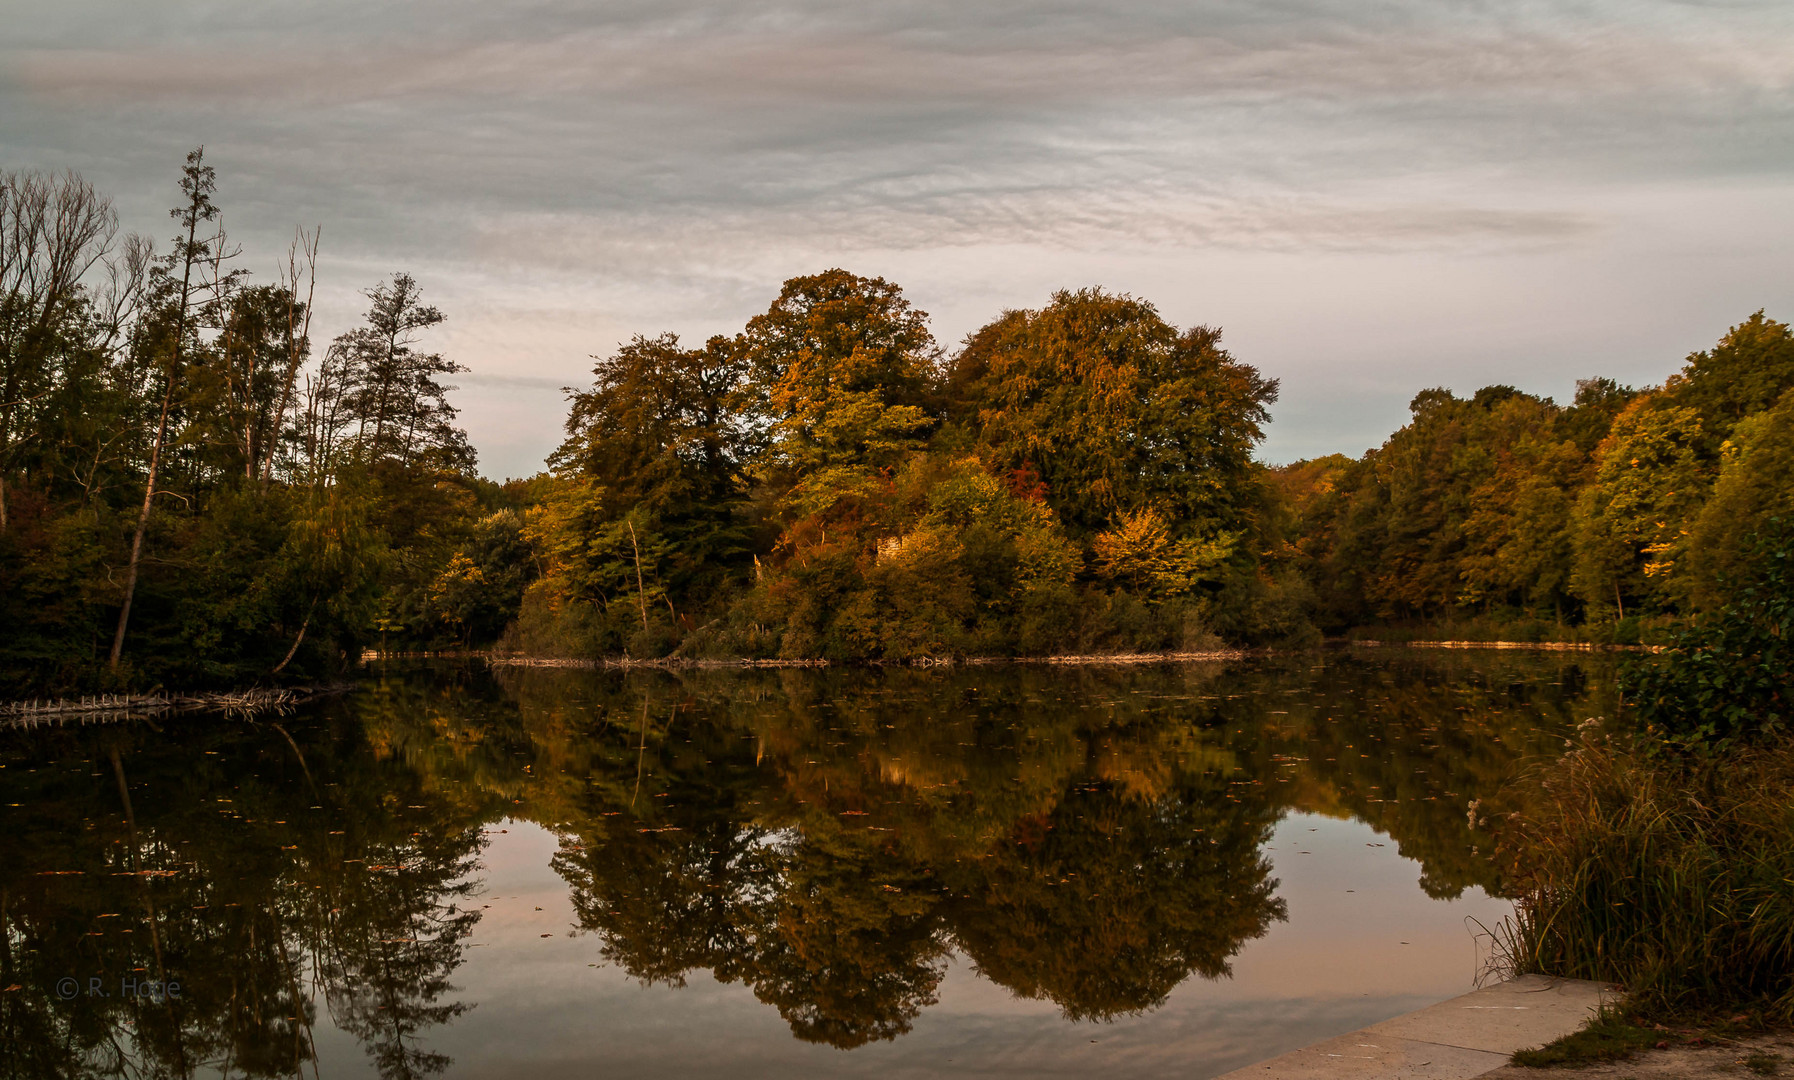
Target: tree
{"points": [[1744, 373], [170, 340], [1117, 411], [1633, 517], [1755, 487], [843, 370], [659, 437], [53, 231], [390, 390]]}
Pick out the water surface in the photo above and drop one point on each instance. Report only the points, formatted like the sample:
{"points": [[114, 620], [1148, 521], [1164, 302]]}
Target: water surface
{"points": [[987, 870]]}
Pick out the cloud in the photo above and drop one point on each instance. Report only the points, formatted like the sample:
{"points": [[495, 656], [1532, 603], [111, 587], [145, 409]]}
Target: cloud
{"points": [[566, 173]]}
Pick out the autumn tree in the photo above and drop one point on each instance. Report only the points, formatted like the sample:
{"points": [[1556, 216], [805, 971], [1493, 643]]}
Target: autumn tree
{"points": [[171, 335], [1632, 518], [1117, 411], [1745, 373], [842, 369]]}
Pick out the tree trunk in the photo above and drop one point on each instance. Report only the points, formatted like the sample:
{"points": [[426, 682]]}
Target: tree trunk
{"points": [[288, 658], [641, 593], [143, 516], [155, 462]]}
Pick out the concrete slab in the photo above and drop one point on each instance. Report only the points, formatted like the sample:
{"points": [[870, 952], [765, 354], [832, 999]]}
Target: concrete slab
{"points": [[1363, 1056], [1453, 1040], [1528, 1011]]}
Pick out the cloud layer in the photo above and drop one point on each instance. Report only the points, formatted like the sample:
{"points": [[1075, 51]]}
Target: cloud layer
{"points": [[564, 175]]}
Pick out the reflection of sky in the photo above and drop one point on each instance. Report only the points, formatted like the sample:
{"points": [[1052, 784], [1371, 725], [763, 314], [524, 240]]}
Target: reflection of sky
{"points": [[1370, 198], [544, 1010]]}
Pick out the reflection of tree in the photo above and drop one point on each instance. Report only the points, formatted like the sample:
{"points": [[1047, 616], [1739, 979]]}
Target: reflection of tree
{"points": [[849, 951], [242, 875], [1090, 837], [392, 945], [1111, 902], [835, 877]]}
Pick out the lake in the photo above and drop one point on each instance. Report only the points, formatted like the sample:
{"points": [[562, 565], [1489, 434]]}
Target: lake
{"points": [[978, 870]]}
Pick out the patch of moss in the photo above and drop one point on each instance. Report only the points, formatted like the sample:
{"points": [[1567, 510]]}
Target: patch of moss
{"points": [[1608, 1037]]}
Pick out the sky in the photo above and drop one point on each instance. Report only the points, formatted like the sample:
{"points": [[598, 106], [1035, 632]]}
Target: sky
{"points": [[1369, 197]]}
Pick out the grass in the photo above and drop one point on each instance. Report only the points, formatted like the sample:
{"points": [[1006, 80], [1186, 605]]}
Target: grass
{"points": [[1764, 1064], [1672, 876], [1608, 1037]]}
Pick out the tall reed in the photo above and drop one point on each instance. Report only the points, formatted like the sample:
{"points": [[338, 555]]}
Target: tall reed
{"points": [[1670, 875]]}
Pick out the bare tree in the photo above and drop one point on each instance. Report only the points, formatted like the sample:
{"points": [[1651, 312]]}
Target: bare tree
{"points": [[302, 262], [53, 230]]}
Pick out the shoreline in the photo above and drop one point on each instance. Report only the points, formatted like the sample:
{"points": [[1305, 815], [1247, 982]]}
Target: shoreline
{"points": [[105, 708], [514, 659], [1543, 646]]}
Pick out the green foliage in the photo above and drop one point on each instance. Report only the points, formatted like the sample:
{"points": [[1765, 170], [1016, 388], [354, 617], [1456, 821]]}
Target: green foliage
{"points": [[1756, 485], [1729, 678], [170, 447], [1506, 512], [1745, 373], [182, 477]]}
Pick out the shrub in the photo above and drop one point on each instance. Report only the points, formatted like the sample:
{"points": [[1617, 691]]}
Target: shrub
{"points": [[1729, 677]]}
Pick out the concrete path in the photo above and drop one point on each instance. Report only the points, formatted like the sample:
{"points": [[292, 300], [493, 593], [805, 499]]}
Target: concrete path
{"points": [[1453, 1040]]}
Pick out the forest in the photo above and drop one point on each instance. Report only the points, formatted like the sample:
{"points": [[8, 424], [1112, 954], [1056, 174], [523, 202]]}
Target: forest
{"points": [[196, 493]]}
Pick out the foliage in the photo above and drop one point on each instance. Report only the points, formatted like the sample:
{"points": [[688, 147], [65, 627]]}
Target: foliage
{"points": [[1666, 874], [1117, 411], [1755, 485], [181, 475], [182, 478], [1729, 678], [1603, 520]]}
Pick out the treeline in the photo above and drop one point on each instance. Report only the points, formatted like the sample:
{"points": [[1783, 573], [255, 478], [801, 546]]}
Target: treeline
{"points": [[191, 495], [829, 482], [1609, 518]]}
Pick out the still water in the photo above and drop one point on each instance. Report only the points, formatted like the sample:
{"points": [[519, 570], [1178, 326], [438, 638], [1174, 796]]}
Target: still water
{"points": [[984, 871]]}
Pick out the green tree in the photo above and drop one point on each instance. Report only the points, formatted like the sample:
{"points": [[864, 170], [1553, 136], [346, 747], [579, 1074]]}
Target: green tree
{"points": [[1755, 486], [390, 389], [1751, 367], [171, 336], [53, 231]]}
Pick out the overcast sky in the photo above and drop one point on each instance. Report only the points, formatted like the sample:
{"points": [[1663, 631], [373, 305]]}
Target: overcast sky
{"points": [[1369, 196]]}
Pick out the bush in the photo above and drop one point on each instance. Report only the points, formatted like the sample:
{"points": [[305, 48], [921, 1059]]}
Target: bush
{"points": [[1729, 677]]}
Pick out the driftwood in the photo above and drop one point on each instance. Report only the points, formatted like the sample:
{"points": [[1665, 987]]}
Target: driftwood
{"points": [[111, 708]]}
